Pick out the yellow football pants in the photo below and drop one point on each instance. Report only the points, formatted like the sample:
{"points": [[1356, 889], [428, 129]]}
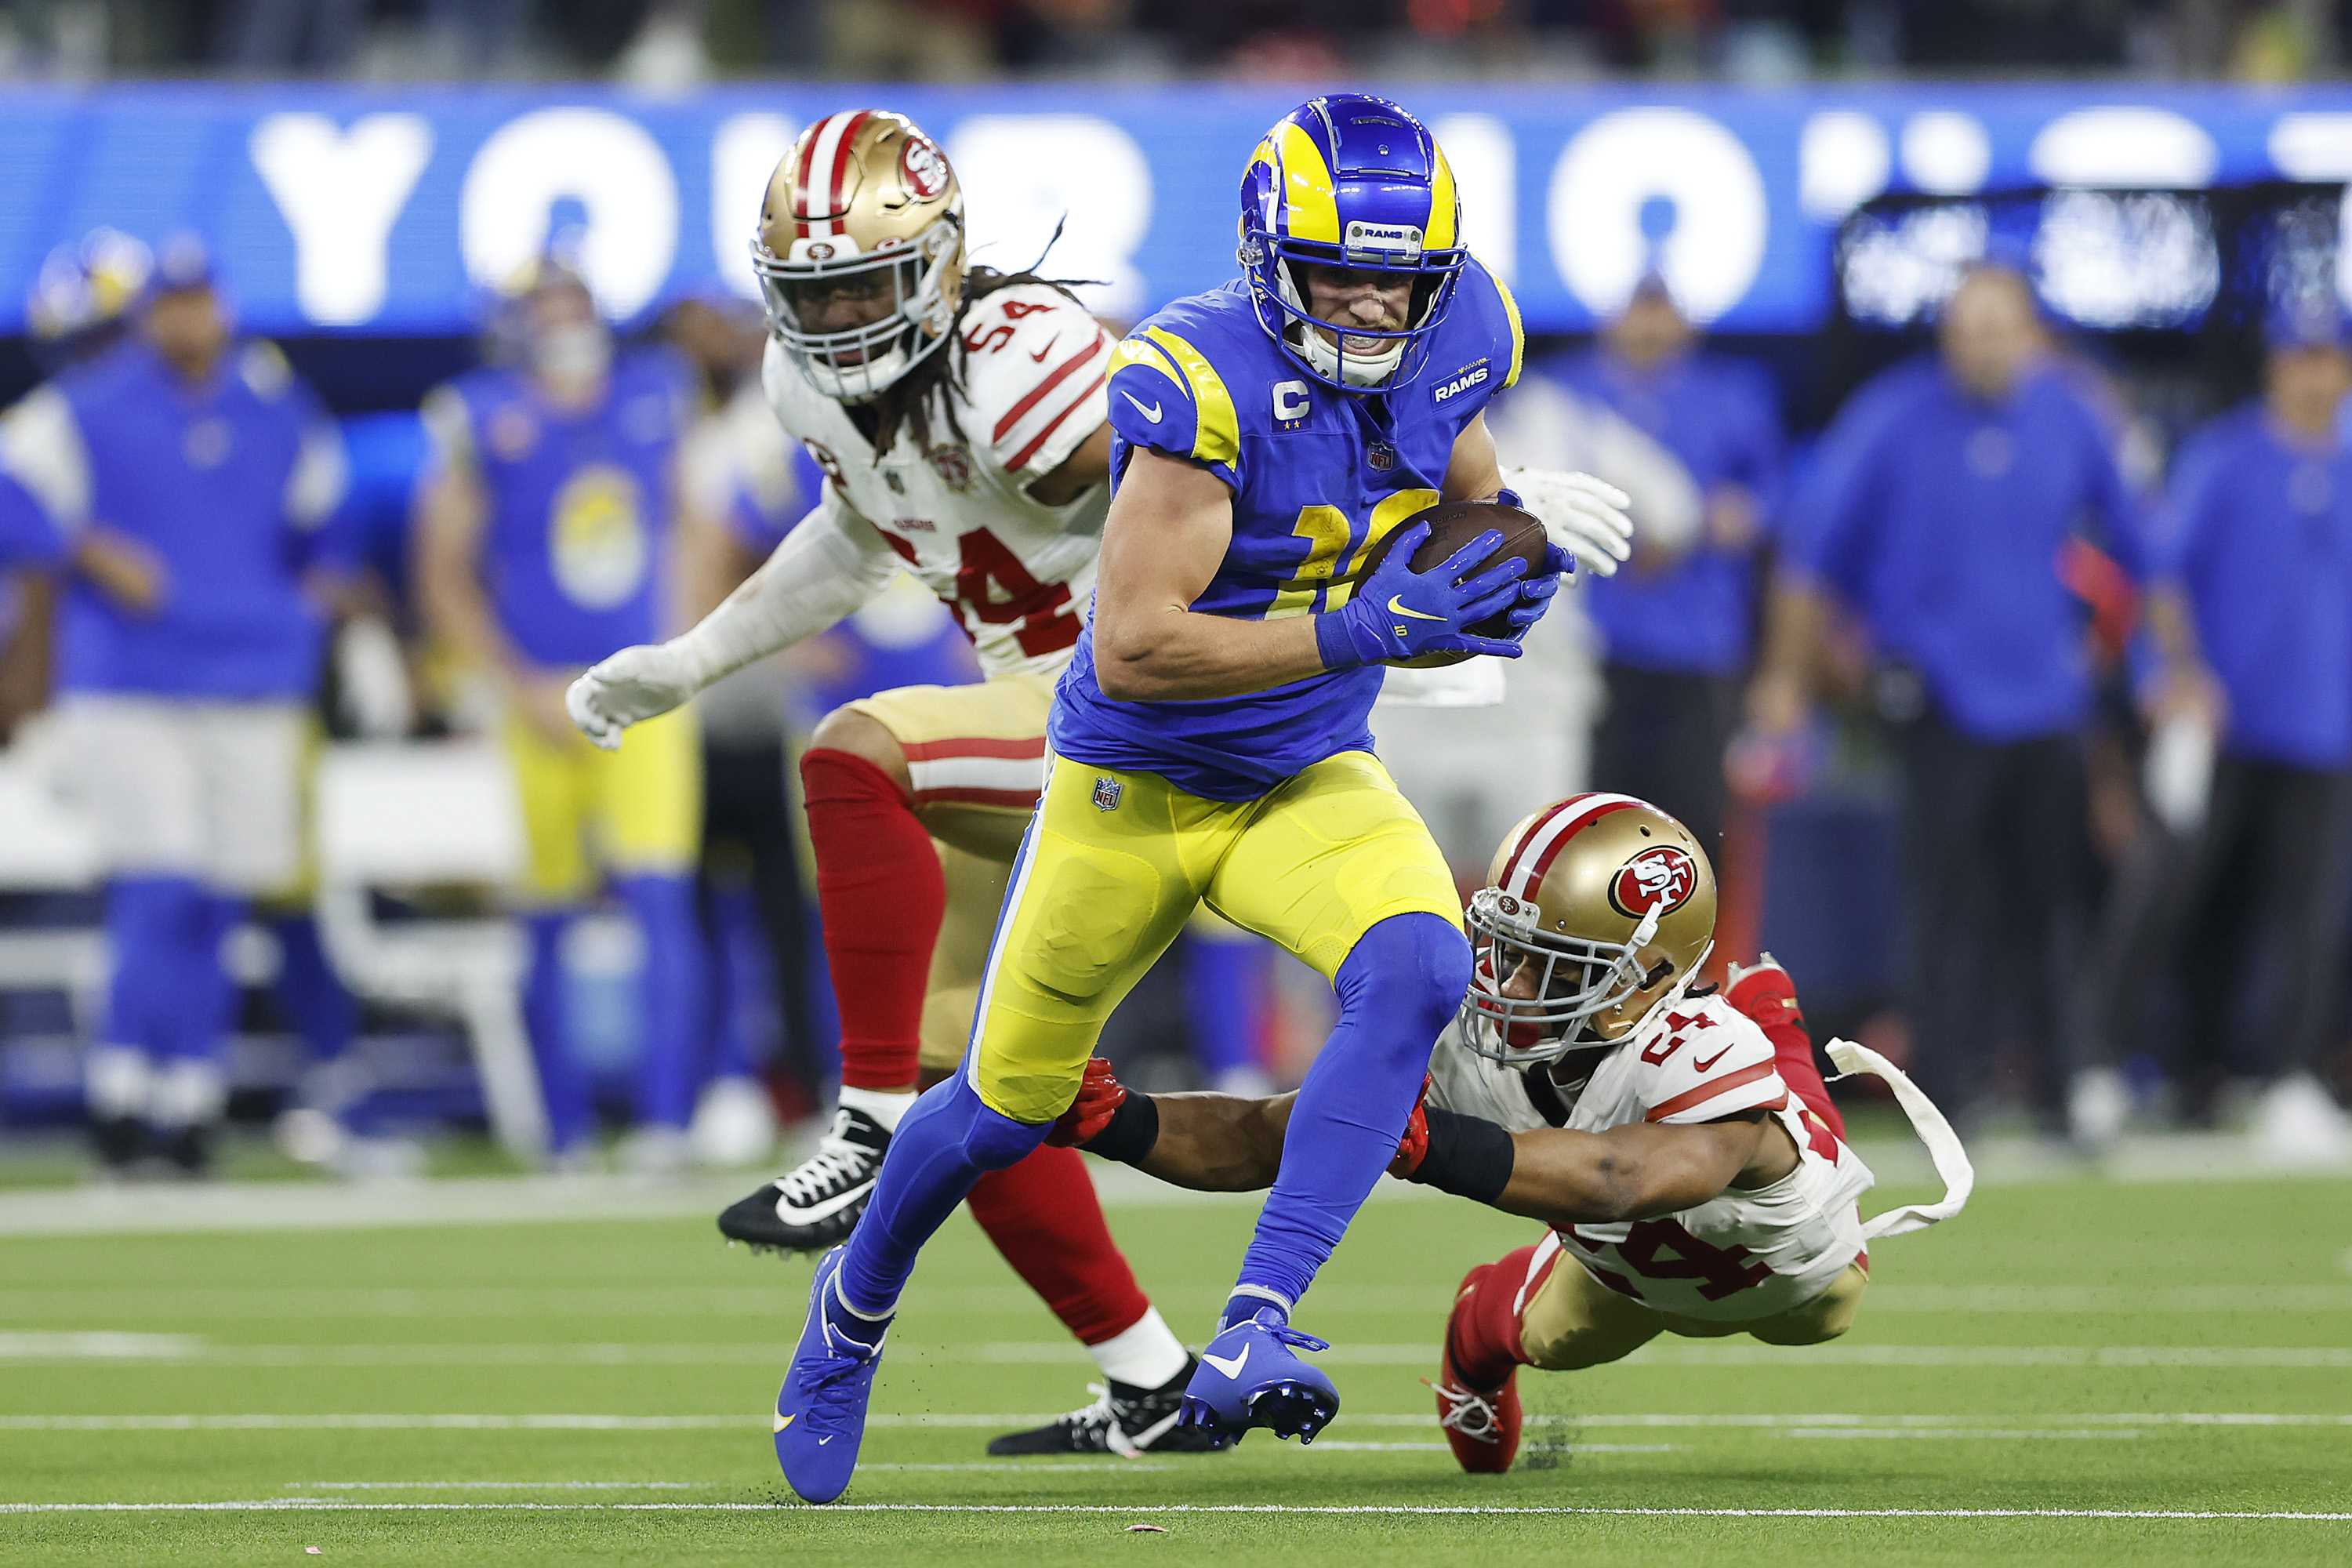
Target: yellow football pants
{"points": [[1116, 863]]}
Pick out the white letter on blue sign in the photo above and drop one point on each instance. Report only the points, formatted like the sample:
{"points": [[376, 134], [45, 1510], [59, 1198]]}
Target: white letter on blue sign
{"points": [[340, 192]]}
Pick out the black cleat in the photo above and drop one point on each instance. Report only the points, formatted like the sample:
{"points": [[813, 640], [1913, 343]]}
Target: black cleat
{"points": [[185, 1152], [815, 1205], [1123, 1420], [122, 1142]]}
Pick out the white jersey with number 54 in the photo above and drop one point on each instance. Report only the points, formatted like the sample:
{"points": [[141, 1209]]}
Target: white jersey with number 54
{"points": [[1737, 1258], [1026, 382]]}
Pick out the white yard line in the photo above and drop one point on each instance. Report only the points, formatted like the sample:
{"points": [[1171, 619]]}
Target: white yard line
{"points": [[1135, 1510], [890, 1421]]}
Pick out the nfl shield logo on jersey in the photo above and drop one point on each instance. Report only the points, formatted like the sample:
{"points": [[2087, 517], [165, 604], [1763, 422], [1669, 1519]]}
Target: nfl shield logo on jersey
{"points": [[1108, 792]]}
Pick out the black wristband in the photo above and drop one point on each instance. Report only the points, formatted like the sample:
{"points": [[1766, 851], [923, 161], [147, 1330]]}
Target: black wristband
{"points": [[1130, 1134], [1468, 1157]]}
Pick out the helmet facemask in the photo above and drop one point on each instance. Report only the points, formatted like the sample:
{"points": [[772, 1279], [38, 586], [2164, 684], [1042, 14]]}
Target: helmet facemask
{"points": [[858, 363], [1280, 288], [1575, 981]]}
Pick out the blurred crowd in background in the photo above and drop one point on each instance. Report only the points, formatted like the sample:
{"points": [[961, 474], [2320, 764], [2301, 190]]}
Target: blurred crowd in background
{"points": [[674, 44]]}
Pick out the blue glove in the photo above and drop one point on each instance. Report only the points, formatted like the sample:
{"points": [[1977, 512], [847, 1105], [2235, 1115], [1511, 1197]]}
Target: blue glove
{"points": [[1398, 613]]}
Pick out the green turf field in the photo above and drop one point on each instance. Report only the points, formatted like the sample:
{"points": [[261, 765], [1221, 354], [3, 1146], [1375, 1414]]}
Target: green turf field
{"points": [[2073, 1371]]}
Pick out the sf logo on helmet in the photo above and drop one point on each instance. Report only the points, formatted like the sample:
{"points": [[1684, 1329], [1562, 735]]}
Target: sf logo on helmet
{"points": [[1660, 878], [925, 169]]}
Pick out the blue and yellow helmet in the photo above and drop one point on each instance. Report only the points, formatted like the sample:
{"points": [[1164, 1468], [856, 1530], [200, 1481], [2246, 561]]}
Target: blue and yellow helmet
{"points": [[84, 292], [1348, 179]]}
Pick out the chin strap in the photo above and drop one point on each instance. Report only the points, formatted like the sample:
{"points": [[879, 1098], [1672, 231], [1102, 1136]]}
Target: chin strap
{"points": [[1951, 1161]]}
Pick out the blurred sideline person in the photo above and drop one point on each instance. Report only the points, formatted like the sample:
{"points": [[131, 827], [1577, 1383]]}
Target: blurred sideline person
{"points": [[1675, 625], [2254, 590], [1936, 511], [81, 304], [547, 521], [186, 713], [958, 414]]}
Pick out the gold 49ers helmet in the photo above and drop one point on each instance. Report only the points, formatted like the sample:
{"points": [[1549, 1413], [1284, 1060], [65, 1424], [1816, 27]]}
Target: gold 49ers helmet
{"points": [[860, 251], [1599, 909]]}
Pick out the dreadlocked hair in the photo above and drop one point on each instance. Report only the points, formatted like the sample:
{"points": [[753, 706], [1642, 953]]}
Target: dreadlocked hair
{"points": [[930, 390]]}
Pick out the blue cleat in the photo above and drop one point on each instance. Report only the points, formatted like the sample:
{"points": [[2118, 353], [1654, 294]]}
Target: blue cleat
{"points": [[821, 1409], [1250, 1375]]}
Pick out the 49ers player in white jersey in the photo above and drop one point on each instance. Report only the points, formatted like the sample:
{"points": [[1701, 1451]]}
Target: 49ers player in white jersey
{"points": [[1680, 1142], [959, 415]]}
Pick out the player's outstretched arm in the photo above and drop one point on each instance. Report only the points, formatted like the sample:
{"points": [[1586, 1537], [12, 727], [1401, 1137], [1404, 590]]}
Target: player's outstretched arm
{"points": [[830, 563], [1565, 1178], [1209, 1142]]}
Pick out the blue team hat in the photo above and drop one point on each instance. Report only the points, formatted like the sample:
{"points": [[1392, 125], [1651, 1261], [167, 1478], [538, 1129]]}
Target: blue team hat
{"points": [[2308, 320], [185, 261]]}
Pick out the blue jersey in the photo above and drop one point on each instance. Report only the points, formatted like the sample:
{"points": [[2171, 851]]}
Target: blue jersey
{"points": [[2261, 545], [1941, 517], [1317, 477], [229, 484], [28, 538], [580, 501]]}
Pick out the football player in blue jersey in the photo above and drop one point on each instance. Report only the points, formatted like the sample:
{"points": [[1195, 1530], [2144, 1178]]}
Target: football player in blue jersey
{"points": [[546, 516], [1209, 742]]}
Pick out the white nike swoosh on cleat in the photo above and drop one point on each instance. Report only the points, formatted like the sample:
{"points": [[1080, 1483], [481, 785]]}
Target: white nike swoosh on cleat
{"points": [[790, 1215], [821, 1442], [1149, 410], [1395, 608], [783, 1420], [1230, 1368]]}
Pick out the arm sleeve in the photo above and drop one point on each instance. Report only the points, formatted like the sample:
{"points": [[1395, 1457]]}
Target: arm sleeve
{"points": [[42, 449], [1165, 396], [1825, 529], [1036, 368], [27, 537], [829, 564], [1709, 1063], [321, 478]]}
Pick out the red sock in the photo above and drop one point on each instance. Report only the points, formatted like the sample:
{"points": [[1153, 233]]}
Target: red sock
{"points": [[1043, 1214], [1485, 1342], [1770, 1001], [880, 895]]}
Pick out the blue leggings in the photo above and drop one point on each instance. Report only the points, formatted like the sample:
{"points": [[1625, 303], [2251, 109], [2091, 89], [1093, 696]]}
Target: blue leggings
{"points": [[1398, 988]]}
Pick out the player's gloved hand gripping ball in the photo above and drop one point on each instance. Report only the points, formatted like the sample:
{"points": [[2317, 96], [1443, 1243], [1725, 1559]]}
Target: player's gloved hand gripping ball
{"points": [[1397, 612]]}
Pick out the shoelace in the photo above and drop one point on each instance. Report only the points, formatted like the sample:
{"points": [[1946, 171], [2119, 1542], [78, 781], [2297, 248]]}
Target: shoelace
{"points": [[1472, 1415], [1104, 1414], [837, 1163], [1287, 1335]]}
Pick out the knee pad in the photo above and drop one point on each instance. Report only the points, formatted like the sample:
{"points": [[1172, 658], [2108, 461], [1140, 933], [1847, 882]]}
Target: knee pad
{"points": [[1409, 968]]}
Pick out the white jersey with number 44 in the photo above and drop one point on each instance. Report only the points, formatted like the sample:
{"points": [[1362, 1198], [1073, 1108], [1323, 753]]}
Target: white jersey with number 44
{"points": [[1026, 380], [1737, 1258]]}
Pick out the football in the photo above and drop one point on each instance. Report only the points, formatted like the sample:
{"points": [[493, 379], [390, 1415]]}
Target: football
{"points": [[1452, 525]]}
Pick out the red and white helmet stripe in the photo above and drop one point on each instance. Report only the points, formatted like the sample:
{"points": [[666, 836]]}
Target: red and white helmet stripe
{"points": [[1525, 868], [819, 202]]}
